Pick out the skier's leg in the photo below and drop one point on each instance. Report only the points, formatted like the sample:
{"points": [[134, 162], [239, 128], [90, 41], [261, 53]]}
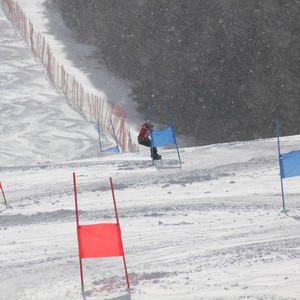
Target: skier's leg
{"points": [[155, 154], [145, 142]]}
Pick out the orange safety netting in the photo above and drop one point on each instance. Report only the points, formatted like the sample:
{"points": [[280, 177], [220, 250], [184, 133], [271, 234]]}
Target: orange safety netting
{"points": [[100, 240]]}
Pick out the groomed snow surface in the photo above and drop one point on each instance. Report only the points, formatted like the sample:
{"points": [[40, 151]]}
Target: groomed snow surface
{"points": [[213, 229]]}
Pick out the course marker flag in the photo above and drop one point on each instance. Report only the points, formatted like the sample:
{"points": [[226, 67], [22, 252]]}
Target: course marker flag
{"points": [[99, 240], [1, 188], [112, 150], [163, 137], [115, 149], [289, 164]]}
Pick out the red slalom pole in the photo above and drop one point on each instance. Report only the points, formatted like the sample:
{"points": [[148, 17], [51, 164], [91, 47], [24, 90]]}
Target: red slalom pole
{"points": [[117, 218], [77, 223], [114, 200], [5, 202]]}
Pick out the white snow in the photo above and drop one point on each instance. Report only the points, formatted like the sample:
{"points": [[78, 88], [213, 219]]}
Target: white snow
{"points": [[213, 229]]}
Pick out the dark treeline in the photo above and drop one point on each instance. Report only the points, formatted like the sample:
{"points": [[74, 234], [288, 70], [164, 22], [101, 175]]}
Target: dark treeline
{"points": [[228, 69]]}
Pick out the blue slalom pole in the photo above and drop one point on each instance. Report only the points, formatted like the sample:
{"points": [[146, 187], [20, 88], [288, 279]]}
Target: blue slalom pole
{"points": [[114, 134], [172, 125], [169, 115], [98, 125], [279, 159], [151, 134]]}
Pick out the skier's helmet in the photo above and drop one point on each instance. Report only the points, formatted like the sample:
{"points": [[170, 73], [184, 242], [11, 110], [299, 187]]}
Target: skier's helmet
{"points": [[148, 124]]}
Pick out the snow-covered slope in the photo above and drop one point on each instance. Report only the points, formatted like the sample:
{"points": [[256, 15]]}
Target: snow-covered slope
{"points": [[210, 230], [37, 124]]}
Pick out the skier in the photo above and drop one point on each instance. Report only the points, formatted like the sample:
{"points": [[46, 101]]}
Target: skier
{"points": [[143, 139]]}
